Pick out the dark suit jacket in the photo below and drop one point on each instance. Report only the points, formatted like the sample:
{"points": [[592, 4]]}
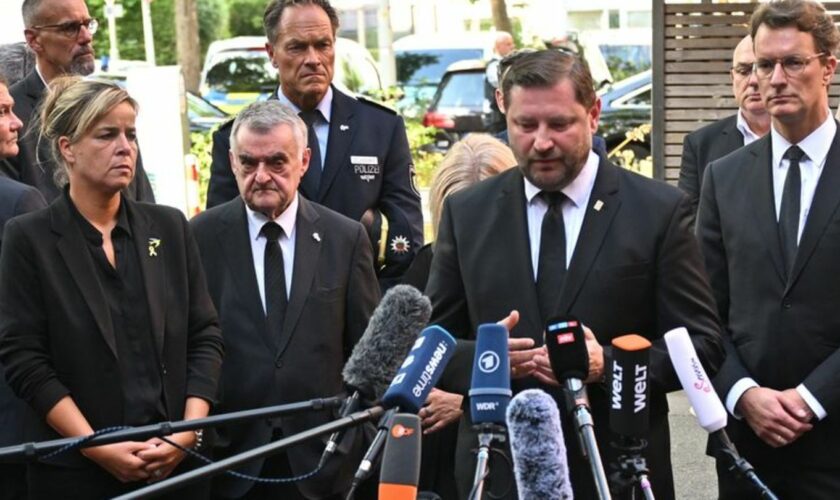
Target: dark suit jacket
{"points": [[28, 94], [636, 268], [781, 332], [357, 128], [56, 333], [702, 146], [333, 294], [15, 199]]}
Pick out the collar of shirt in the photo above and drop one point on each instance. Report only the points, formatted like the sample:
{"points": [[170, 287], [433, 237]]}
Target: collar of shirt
{"points": [[89, 231], [815, 146], [286, 220], [578, 191], [325, 106], [40, 75], [744, 127]]}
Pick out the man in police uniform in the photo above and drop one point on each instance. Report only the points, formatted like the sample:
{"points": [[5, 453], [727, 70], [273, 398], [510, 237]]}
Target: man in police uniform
{"points": [[361, 166]]}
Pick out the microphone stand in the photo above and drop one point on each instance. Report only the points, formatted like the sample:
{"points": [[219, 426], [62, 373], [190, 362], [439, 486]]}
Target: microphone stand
{"points": [[739, 465], [632, 468], [487, 433], [215, 468], [33, 451], [576, 394]]}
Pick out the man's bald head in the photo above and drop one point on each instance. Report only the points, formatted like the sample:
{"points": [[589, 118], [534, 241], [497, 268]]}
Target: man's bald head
{"points": [[503, 44]]}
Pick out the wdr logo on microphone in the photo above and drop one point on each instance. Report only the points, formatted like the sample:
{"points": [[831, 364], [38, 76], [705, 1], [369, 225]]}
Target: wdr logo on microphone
{"points": [[488, 362]]}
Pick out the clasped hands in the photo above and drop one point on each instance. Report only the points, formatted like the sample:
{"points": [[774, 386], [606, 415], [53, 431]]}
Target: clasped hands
{"points": [[151, 460], [777, 417]]}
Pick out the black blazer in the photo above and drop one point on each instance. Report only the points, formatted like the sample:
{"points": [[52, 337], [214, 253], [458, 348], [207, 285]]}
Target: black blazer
{"points": [[781, 332], [702, 146], [56, 334], [25, 167], [15, 415], [333, 294], [636, 268], [357, 128]]}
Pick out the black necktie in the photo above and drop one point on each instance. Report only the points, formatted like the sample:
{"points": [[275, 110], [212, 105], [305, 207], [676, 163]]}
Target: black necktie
{"points": [[275, 281], [551, 269], [312, 178], [789, 211]]}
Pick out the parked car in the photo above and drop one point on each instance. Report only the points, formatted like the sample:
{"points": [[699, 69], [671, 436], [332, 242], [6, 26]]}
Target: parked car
{"points": [[422, 61], [461, 105], [238, 71]]}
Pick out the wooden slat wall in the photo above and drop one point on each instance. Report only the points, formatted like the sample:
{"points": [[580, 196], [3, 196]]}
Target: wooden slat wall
{"points": [[693, 46]]}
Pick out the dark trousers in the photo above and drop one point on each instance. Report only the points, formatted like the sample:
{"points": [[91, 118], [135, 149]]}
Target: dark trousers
{"points": [[789, 480], [12, 481]]}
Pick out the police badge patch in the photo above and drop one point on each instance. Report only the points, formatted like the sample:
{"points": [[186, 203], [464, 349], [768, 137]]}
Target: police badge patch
{"points": [[400, 245], [366, 167]]}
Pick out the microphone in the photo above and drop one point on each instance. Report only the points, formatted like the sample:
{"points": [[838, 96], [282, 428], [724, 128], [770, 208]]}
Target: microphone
{"points": [[569, 358], [490, 388], [628, 383], [539, 451], [400, 472], [707, 406], [391, 331], [410, 388], [489, 395], [629, 411]]}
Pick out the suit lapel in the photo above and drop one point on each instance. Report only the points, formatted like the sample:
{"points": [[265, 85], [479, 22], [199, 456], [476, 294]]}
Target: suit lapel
{"points": [[732, 138], [71, 246], [342, 132], [512, 222], [151, 252], [307, 253], [823, 208], [235, 241], [596, 224], [760, 179]]}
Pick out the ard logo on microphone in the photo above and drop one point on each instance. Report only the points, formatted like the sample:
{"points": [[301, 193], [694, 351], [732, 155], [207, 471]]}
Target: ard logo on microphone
{"points": [[488, 362]]}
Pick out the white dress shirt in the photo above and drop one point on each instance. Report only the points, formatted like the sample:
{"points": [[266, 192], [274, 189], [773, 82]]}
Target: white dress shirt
{"points": [[744, 127], [322, 127], [286, 220], [574, 209], [815, 147]]}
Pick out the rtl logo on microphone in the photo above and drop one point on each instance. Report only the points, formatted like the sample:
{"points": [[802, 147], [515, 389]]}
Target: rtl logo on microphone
{"points": [[400, 430], [567, 337]]}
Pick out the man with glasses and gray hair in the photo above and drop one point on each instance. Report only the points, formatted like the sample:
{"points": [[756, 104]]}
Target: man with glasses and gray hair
{"points": [[294, 285], [724, 136], [769, 228], [60, 33]]}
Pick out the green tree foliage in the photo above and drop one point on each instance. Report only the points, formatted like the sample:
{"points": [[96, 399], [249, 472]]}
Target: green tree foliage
{"points": [[212, 25], [246, 17]]}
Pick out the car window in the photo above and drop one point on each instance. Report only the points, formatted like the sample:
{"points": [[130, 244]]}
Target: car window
{"points": [[640, 99], [428, 66], [462, 90], [242, 72], [199, 108], [637, 98]]}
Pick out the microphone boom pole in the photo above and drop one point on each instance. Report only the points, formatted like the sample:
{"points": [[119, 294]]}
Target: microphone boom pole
{"points": [[262, 451]]}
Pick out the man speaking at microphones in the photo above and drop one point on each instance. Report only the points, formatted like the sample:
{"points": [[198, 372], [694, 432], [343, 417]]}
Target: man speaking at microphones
{"points": [[567, 232]]}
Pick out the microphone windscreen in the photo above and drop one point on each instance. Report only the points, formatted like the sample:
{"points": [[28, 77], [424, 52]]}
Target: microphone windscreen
{"points": [[629, 387], [566, 347], [392, 330], [400, 472], [698, 388], [490, 389], [420, 371], [536, 442]]}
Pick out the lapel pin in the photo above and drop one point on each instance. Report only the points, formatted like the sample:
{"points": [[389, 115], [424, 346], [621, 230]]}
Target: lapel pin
{"points": [[154, 243], [343, 127], [316, 237], [599, 205]]}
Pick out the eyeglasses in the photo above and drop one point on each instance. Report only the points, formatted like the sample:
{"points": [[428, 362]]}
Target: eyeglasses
{"points": [[71, 29], [791, 65], [743, 69]]}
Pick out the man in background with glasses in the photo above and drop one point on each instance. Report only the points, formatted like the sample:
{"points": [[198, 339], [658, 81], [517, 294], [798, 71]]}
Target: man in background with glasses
{"points": [[60, 33], [769, 228], [724, 136]]}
